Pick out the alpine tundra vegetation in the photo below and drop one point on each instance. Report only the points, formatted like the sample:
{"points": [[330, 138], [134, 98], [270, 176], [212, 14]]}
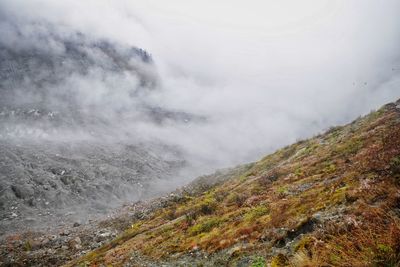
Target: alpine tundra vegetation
{"points": [[196, 133], [331, 200]]}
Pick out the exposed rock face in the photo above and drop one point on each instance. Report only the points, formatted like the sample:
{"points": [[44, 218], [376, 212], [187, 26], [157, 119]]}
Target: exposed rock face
{"points": [[77, 84], [66, 182], [68, 148]]}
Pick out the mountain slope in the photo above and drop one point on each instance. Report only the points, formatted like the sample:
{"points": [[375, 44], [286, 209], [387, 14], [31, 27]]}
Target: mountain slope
{"points": [[332, 200], [70, 111]]}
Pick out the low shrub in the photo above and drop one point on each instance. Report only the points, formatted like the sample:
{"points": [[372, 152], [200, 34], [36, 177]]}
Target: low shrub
{"points": [[204, 227]]}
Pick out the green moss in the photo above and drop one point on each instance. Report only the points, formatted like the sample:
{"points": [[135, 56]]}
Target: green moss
{"points": [[330, 168], [299, 172], [205, 205], [84, 264], [386, 255], [350, 147], [236, 199], [256, 212], [136, 226], [304, 243], [282, 190], [208, 205], [310, 149], [259, 262], [335, 259], [383, 248], [27, 245], [205, 226], [375, 115], [334, 131]]}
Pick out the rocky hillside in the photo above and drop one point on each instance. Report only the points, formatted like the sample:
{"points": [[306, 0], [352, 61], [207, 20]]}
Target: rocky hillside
{"points": [[332, 200], [49, 184], [70, 107]]}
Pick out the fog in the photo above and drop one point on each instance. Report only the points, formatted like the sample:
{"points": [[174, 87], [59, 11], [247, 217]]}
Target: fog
{"points": [[257, 74]]}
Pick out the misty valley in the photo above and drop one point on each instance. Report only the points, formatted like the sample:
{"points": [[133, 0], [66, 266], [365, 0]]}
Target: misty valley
{"points": [[141, 133]]}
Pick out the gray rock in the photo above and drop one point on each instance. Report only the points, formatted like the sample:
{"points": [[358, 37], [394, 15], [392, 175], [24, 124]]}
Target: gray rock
{"points": [[78, 240], [22, 191]]}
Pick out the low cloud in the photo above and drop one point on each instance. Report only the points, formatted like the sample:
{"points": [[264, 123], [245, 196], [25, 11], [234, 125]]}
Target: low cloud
{"points": [[262, 74]]}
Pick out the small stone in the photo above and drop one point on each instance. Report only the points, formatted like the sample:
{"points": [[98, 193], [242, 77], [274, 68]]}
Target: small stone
{"points": [[45, 241], [78, 240], [317, 216], [234, 250], [76, 224], [105, 234], [75, 243], [64, 233]]}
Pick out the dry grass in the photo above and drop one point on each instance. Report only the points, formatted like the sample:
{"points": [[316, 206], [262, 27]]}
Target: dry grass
{"points": [[353, 171], [372, 239]]}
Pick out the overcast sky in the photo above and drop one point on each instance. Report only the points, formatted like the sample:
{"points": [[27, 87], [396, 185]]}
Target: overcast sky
{"points": [[265, 73]]}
